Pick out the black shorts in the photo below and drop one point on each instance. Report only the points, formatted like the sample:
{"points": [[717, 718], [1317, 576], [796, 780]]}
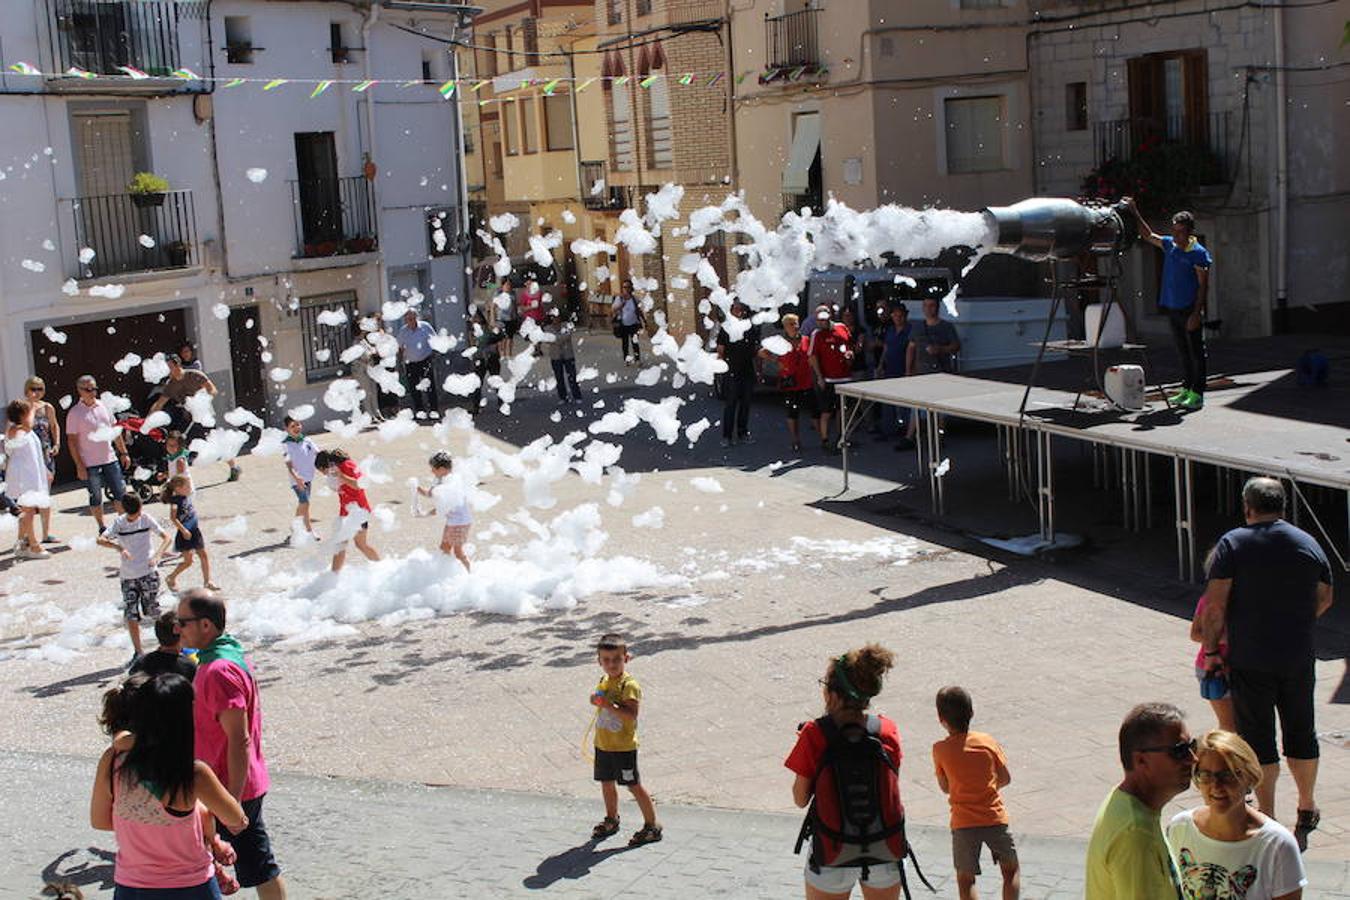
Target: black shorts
{"points": [[194, 540], [255, 865], [1257, 696], [617, 765], [795, 401], [827, 398], [511, 327]]}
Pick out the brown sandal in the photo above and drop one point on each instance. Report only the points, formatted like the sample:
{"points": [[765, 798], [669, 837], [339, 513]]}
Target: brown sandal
{"points": [[608, 825], [647, 834]]}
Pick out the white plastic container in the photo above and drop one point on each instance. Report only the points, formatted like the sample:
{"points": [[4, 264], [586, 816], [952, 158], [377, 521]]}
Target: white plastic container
{"points": [[1125, 386], [1113, 331]]}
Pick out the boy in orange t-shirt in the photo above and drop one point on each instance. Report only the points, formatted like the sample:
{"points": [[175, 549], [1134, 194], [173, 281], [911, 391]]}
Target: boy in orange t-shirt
{"points": [[970, 770]]}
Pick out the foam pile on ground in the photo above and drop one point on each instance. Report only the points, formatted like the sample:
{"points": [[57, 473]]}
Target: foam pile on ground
{"points": [[555, 568]]}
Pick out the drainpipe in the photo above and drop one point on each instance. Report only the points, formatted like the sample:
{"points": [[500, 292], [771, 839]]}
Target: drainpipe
{"points": [[1281, 319], [371, 15], [462, 190], [576, 132]]}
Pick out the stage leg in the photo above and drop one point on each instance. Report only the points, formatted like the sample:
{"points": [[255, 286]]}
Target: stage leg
{"points": [[1045, 470], [1182, 474], [843, 437]]}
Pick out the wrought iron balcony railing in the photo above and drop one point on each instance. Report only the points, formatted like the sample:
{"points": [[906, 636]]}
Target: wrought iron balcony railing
{"points": [[108, 37], [790, 40], [333, 216], [134, 233], [1197, 149]]}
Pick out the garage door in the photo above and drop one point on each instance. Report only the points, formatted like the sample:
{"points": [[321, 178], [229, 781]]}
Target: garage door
{"points": [[91, 348]]}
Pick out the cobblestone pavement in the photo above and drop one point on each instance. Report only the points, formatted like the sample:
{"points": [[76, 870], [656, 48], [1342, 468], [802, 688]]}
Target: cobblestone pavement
{"points": [[1053, 652], [340, 838]]}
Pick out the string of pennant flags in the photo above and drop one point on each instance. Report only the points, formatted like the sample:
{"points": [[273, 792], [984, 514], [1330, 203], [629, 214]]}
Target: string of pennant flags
{"points": [[448, 89]]}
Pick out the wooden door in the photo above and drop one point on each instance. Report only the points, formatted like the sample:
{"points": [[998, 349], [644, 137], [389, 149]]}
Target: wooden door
{"points": [[246, 365]]}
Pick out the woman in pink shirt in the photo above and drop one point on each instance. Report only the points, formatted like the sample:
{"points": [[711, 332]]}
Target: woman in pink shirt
{"points": [[149, 791]]}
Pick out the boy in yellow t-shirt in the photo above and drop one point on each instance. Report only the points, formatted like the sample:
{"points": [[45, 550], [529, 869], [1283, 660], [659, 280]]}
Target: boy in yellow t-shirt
{"points": [[617, 698]]}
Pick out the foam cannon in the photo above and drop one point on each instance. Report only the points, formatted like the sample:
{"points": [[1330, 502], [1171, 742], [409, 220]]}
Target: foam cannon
{"points": [[1041, 228]]}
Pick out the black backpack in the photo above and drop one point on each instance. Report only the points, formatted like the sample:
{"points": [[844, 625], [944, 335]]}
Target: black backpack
{"points": [[856, 818]]}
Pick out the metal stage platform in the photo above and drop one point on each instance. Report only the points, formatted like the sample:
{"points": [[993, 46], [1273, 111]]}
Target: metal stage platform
{"points": [[1236, 433]]}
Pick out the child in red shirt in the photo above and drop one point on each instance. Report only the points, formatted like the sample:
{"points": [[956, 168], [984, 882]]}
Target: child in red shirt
{"points": [[342, 469]]}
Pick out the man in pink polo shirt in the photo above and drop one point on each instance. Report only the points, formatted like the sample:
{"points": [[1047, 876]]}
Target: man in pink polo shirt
{"points": [[95, 462], [227, 718]]}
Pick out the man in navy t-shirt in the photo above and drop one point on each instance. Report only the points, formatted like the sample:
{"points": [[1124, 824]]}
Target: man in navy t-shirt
{"points": [[1268, 585], [1185, 290]]}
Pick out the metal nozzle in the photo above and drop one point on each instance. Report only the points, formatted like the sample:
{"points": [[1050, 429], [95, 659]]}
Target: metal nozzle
{"points": [[1057, 228]]}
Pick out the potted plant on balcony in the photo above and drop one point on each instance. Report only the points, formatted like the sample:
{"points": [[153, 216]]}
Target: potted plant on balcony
{"points": [[359, 244], [148, 189]]}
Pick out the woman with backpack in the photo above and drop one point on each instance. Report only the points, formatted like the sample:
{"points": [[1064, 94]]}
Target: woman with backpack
{"points": [[628, 323], [846, 739]]}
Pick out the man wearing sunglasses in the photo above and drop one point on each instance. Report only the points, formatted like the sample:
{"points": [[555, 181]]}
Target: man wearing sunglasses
{"points": [[227, 724], [1127, 856], [95, 462]]}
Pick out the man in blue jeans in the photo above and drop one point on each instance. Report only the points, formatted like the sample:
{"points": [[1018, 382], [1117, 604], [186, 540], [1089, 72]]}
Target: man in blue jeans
{"points": [[1185, 290], [88, 424]]}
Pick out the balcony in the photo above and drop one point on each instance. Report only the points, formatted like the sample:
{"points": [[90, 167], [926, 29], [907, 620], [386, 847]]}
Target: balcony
{"points": [[134, 234], [792, 48], [110, 37], [607, 197], [333, 216], [1189, 151]]}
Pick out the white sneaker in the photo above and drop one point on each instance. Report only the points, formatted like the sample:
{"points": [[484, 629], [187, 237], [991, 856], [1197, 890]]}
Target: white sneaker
{"points": [[29, 553]]}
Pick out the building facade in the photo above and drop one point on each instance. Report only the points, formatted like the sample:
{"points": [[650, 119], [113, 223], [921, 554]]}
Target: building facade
{"points": [[918, 102], [279, 204], [1236, 114]]}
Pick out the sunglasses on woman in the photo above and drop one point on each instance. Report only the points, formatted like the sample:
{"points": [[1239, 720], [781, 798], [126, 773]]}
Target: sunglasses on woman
{"points": [[1180, 751], [1223, 777]]}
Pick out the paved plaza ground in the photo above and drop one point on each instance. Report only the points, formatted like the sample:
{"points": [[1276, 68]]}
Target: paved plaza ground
{"points": [[443, 756]]}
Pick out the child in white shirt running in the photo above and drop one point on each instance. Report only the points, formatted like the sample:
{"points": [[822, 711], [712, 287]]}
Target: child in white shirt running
{"points": [[458, 519], [300, 453]]}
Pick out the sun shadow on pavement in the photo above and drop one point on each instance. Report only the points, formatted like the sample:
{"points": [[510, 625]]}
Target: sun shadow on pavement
{"points": [[82, 866], [573, 863], [56, 688]]}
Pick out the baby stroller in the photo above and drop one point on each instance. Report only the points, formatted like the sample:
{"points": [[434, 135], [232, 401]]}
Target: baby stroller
{"points": [[148, 456]]}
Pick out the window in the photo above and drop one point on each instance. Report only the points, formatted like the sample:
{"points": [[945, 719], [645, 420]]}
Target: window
{"points": [[974, 134], [643, 8], [614, 12], [621, 135], [511, 127], [238, 40], [529, 34], [443, 231], [1169, 96], [337, 44], [510, 46], [1075, 106], [558, 122], [468, 140], [660, 135], [530, 119], [427, 76], [489, 67], [321, 365]]}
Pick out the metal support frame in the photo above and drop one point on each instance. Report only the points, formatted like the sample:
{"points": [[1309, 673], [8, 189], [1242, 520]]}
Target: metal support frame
{"points": [[846, 425], [1183, 476], [1045, 491], [932, 434]]}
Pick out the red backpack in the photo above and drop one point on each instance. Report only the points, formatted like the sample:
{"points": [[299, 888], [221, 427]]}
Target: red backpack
{"points": [[856, 818]]}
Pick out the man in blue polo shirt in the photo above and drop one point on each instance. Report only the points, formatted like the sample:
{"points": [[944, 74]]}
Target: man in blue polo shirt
{"points": [[1185, 289]]}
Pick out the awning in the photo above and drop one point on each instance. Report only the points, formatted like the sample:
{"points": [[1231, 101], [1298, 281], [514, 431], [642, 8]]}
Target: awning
{"points": [[805, 145]]}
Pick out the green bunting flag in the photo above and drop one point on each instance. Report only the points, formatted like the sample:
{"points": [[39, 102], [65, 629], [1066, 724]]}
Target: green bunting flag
{"points": [[446, 90], [320, 88], [275, 83]]}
